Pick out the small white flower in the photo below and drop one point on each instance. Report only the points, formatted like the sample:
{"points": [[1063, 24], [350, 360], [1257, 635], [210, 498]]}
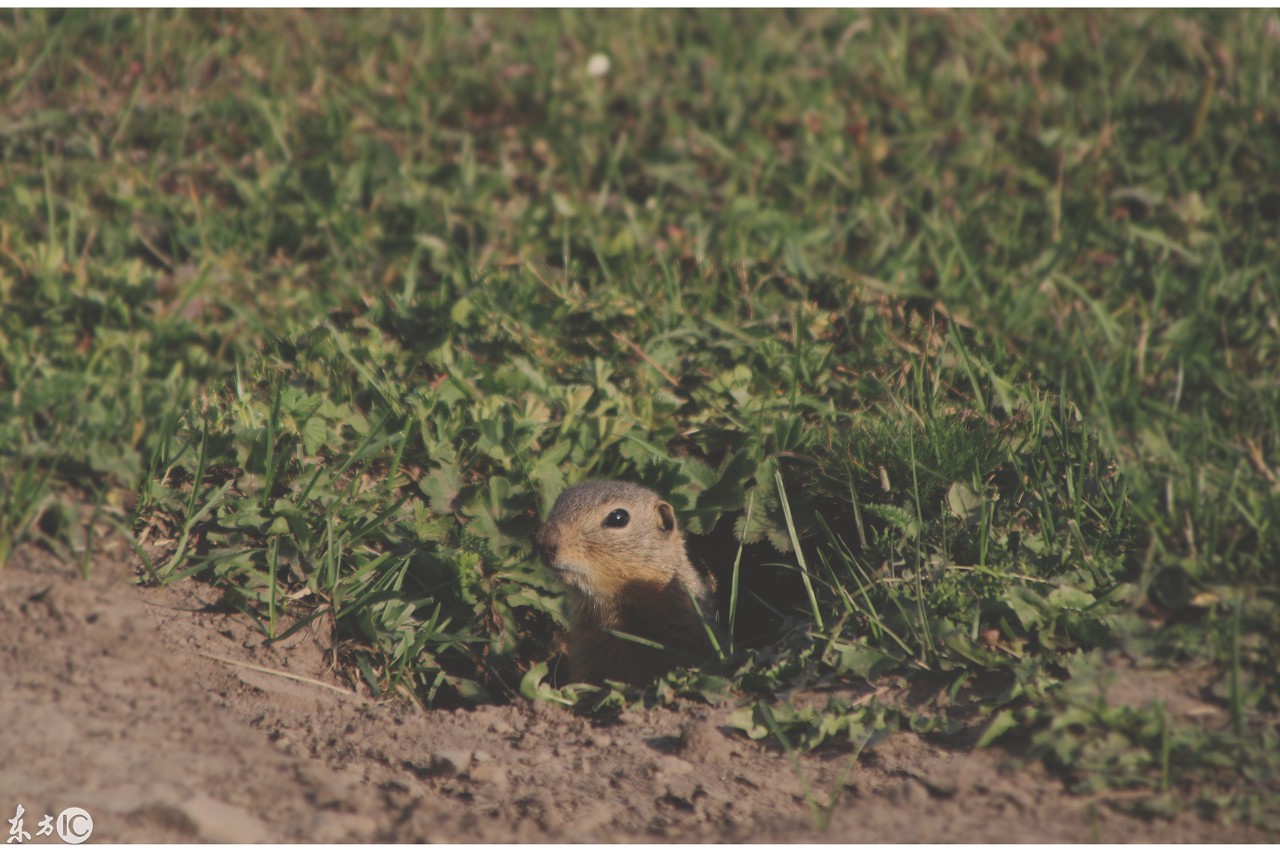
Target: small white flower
{"points": [[598, 65]]}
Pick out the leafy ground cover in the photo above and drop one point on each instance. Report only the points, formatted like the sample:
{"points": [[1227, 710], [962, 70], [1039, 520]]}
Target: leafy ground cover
{"points": [[953, 338]]}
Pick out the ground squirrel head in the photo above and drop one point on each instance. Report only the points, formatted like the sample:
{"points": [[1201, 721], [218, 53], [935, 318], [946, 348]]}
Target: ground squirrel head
{"points": [[603, 537], [618, 549]]}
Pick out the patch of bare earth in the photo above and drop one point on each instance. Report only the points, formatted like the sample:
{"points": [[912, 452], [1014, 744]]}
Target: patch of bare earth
{"points": [[114, 700]]}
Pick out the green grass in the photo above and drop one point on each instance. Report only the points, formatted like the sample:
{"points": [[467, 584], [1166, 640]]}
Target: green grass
{"points": [[953, 338]]}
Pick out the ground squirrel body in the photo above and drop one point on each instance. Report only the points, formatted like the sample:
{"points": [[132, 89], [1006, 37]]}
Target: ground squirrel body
{"points": [[618, 549]]}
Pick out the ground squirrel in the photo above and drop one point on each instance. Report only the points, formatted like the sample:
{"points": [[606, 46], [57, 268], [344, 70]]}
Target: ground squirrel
{"points": [[619, 551]]}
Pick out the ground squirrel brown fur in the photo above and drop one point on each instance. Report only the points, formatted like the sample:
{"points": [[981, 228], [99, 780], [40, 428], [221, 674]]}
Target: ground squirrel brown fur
{"points": [[618, 549]]}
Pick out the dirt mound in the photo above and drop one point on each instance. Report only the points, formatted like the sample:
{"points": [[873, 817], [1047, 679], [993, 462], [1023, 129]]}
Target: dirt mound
{"points": [[167, 721]]}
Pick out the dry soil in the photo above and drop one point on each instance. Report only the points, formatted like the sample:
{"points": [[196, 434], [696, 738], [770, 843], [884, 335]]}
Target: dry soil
{"points": [[151, 710]]}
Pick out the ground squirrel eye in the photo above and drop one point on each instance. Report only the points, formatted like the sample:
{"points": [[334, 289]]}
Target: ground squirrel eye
{"points": [[617, 518]]}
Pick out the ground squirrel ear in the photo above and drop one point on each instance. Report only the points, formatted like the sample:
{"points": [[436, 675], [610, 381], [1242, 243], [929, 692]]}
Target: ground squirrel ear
{"points": [[666, 517]]}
